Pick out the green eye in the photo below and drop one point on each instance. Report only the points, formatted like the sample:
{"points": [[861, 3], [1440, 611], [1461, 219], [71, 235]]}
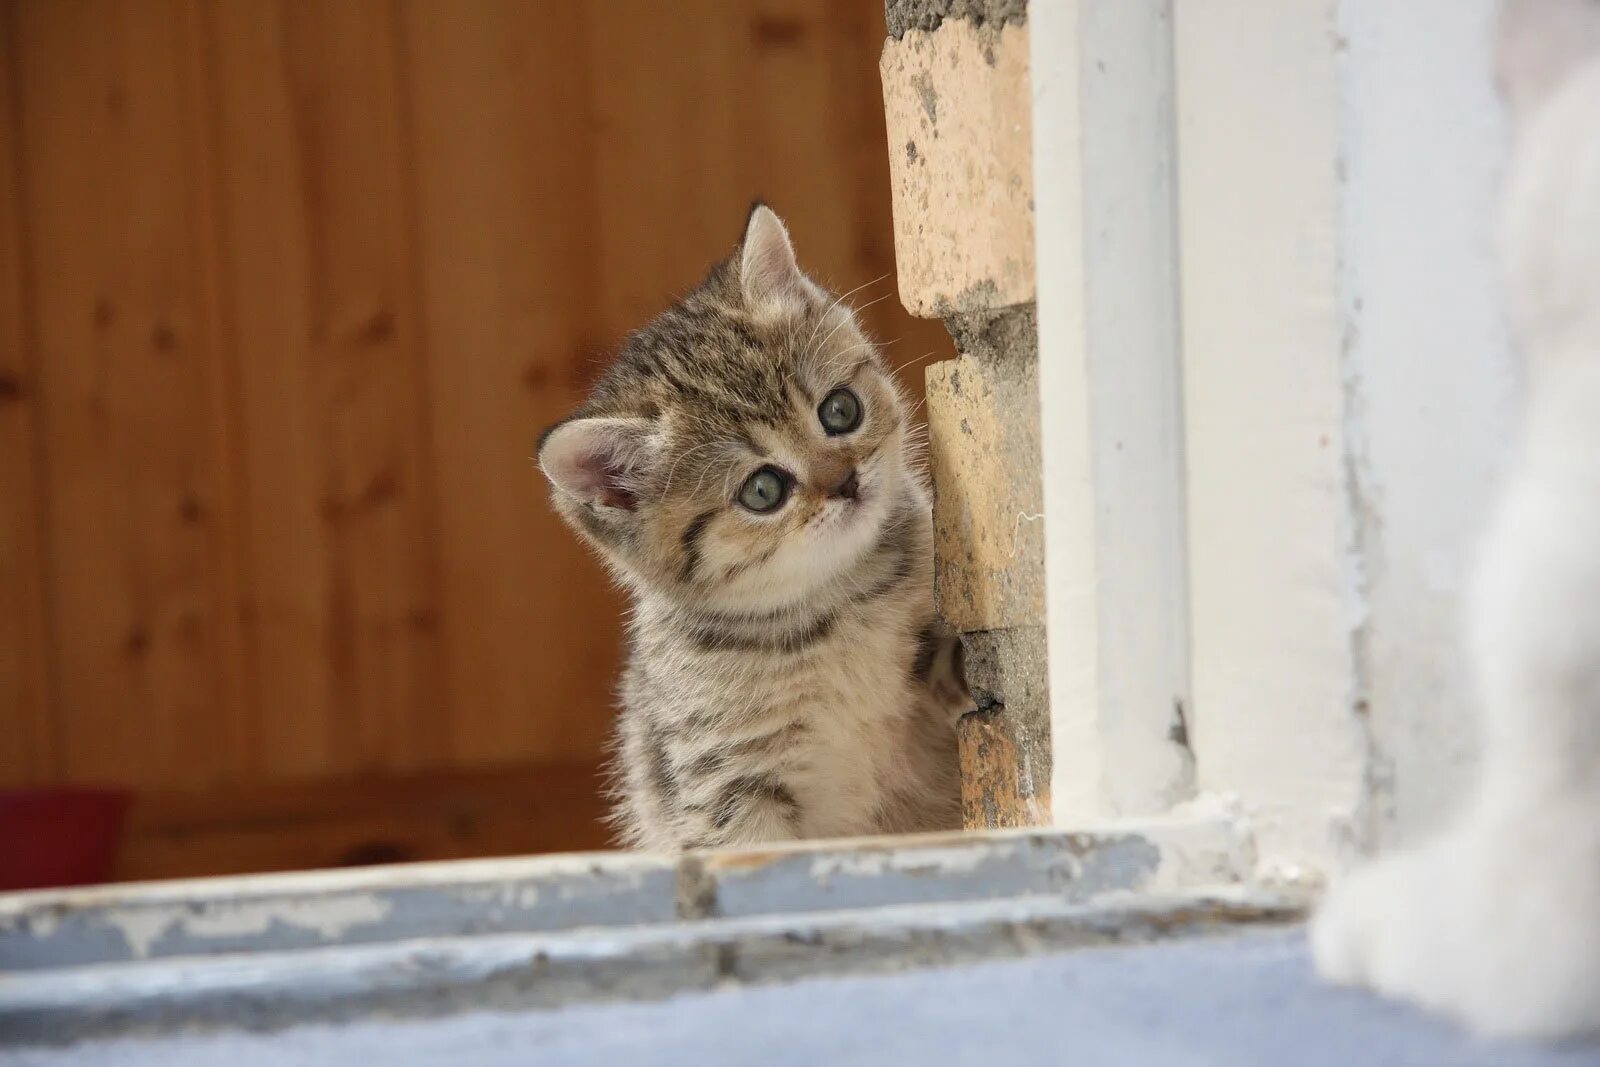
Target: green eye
{"points": [[840, 411], [764, 491]]}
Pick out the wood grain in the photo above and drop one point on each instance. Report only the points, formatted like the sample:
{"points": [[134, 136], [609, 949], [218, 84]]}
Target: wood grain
{"points": [[340, 584], [287, 292], [506, 215], [27, 747], [124, 371], [782, 103]]}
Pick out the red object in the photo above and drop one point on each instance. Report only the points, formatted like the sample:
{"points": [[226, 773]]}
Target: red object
{"points": [[57, 837]]}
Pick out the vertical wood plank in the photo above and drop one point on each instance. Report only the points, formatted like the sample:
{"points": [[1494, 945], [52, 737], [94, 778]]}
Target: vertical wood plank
{"points": [[782, 102], [506, 217], [668, 172], [124, 372], [27, 751], [339, 577]]}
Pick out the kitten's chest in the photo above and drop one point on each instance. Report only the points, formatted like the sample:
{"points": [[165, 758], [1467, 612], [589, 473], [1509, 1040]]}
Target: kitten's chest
{"points": [[858, 698], [835, 723]]}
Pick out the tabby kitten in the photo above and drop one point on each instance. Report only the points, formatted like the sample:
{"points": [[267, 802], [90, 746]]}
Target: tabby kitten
{"points": [[745, 469]]}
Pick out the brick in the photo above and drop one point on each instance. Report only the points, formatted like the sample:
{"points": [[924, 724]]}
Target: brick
{"points": [[1005, 745], [956, 101], [903, 15], [983, 423]]}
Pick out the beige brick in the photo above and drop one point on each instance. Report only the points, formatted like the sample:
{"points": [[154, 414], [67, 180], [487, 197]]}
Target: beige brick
{"points": [[960, 159], [1005, 744], [983, 423]]}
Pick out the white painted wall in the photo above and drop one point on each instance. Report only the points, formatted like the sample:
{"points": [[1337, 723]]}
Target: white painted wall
{"points": [[1346, 395], [1432, 369]]}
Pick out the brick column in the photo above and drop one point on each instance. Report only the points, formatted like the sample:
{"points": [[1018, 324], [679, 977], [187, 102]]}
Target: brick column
{"points": [[955, 87]]}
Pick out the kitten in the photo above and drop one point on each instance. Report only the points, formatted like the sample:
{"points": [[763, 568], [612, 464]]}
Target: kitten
{"points": [[745, 469], [1497, 921]]}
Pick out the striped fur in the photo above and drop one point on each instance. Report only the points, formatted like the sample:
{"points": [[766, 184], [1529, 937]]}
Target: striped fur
{"points": [[787, 676]]}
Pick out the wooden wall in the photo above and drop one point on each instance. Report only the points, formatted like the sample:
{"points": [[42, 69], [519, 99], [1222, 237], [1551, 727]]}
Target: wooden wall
{"points": [[287, 289]]}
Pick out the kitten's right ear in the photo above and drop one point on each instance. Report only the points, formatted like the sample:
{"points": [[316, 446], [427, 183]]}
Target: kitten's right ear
{"points": [[601, 462], [1540, 43], [768, 273]]}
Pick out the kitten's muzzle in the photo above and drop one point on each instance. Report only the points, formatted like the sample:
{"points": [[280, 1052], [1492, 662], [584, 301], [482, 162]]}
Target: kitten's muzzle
{"points": [[849, 487]]}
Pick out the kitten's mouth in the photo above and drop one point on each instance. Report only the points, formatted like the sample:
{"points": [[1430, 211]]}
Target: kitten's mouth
{"points": [[848, 515], [852, 503]]}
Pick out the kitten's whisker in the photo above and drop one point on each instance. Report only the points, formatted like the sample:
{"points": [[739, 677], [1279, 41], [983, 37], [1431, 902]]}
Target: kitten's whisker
{"points": [[915, 359], [854, 311], [839, 300]]}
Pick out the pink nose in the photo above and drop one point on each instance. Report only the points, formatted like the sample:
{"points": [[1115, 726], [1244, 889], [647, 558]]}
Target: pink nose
{"points": [[846, 490]]}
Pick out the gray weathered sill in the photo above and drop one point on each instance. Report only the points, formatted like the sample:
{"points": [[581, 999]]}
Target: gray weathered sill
{"points": [[313, 909], [424, 940], [520, 972]]}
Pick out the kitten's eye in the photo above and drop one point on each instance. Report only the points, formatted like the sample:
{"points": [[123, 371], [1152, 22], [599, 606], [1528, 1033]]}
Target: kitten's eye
{"points": [[764, 491], [840, 411]]}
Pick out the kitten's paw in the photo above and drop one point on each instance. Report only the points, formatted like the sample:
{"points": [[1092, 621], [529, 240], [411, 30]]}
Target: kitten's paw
{"points": [[1496, 925], [1353, 931], [1349, 918]]}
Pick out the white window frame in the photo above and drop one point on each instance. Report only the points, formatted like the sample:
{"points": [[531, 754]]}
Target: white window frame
{"points": [[1249, 509]]}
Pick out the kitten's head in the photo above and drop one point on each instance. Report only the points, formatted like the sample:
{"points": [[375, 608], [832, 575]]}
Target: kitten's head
{"points": [[1549, 72], [746, 448]]}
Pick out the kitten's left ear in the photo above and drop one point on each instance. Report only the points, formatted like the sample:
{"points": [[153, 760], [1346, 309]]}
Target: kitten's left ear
{"points": [[599, 461], [768, 273]]}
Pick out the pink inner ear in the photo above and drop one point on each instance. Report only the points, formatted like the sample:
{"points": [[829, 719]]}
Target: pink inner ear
{"points": [[599, 476], [614, 495], [767, 269], [590, 461]]}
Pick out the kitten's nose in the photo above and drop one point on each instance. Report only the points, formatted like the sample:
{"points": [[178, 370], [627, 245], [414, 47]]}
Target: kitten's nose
{"points": [[846, 490]]}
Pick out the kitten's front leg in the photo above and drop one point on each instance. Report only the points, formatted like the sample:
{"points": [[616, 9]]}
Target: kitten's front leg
{"points": [[940, 668]]}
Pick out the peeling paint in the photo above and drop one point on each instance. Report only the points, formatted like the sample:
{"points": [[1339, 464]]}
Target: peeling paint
{"points": [[307, 910], [328, 918], [236, 919], [932, 862]]}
